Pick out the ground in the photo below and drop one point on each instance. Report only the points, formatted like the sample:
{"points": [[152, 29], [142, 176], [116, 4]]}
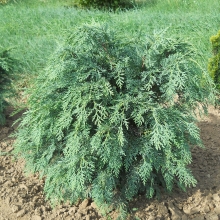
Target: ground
{"points": [[22, 198]]}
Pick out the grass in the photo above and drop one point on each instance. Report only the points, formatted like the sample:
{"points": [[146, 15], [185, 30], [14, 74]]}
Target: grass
{"points": [[35, 28]]}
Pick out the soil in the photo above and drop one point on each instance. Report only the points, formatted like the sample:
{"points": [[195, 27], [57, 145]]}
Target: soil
{"points": [[22, 197]]}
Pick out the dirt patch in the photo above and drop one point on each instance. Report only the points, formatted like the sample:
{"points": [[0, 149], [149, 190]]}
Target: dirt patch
{"points": [[22, 198]]}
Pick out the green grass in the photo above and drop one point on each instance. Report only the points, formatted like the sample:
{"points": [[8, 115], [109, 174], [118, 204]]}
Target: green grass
{"points": [[35, 27]]}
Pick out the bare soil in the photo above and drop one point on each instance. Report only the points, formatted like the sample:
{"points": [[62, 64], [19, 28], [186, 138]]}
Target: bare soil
{"points": [[22, 197]]}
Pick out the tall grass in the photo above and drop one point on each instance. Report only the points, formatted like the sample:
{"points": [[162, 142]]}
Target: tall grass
{"points": [[35, 27]]}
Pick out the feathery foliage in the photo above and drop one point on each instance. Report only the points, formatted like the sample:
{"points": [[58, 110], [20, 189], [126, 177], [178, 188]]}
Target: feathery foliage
{"points": [[214, 62], [6, 68], [112, 117]]}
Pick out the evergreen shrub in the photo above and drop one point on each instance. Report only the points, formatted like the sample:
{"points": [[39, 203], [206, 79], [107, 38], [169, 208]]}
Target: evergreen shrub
{"points": [[112, 117], [6, 68], [214, 62]]}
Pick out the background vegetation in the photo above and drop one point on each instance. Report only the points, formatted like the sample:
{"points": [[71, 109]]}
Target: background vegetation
{"points": [[104, 4], [214, 62], [7, 66], [36, 27]]}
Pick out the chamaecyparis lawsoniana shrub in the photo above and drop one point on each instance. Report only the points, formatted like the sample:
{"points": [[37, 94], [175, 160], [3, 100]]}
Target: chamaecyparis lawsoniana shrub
{"points": [[110, 118], [214, 62], [6, 68]]}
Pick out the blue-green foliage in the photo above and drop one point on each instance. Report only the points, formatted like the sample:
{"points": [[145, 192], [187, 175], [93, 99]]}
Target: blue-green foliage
{"points": [[6, 68], [112, 117]]}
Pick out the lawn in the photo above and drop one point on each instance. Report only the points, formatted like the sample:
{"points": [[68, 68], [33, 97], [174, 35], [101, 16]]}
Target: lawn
{"points": [[35, 28]]}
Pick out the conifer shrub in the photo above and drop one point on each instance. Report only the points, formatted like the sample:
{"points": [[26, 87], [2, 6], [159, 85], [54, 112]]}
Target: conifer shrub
{"points": [[111, 117], [214, 62], [6, 68]]}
